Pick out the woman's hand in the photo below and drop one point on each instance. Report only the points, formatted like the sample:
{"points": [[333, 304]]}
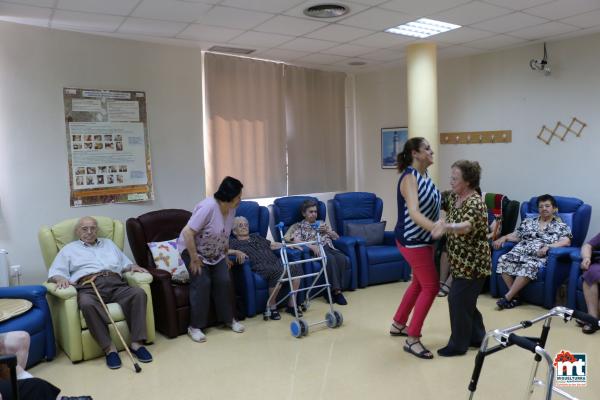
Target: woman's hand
{"points": [[315, 249], [499, 242], [585, 263], [196, 266], [543, 251], [439, 228], [240, 256]]}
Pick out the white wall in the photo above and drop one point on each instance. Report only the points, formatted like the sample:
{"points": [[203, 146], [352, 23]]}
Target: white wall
{"points": [[35, 65], [498, 91], [380, 103]]}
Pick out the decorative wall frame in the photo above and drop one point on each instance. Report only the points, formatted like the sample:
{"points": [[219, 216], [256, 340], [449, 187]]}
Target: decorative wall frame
{"points": [[561, 130], [392, 143]]}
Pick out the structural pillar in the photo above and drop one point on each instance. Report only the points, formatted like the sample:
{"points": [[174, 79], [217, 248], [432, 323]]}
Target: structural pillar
{"points": [[421, 66]]}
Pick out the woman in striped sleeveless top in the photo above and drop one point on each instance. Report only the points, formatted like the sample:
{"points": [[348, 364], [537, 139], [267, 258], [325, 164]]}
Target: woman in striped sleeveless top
{"points": [[418, 208]]}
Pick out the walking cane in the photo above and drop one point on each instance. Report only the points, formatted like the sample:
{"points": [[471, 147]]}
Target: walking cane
{"points": [[112, 321]]}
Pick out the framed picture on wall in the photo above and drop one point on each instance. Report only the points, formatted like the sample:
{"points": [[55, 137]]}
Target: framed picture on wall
{"points": [[392, 143]]}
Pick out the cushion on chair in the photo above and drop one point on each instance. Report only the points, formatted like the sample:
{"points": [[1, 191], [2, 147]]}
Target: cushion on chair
{"points": [[166, 257], [371, 233], [382, 254], [64, 232], [10, 308]]}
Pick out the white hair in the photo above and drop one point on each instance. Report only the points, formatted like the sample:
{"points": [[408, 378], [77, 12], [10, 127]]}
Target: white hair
{"points": [[239, 219]]}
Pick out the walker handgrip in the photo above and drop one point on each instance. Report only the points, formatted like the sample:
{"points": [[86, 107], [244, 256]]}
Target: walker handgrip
{"points": [[522, 342], [586, 317]]}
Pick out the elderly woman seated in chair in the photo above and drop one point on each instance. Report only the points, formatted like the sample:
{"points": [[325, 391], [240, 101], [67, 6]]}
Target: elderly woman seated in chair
{"points": [[337, 262], [535, 237], [263, 261]]}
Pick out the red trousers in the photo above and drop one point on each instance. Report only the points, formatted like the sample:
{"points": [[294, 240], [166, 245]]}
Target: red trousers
{"points": [[422, 290]]}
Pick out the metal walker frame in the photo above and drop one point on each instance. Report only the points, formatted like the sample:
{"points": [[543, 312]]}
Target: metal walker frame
{"points": [[299, 327], [506, 338]]}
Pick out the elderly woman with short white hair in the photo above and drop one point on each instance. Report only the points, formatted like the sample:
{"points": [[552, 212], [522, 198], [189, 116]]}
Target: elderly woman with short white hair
{"points": [[263, 262]]}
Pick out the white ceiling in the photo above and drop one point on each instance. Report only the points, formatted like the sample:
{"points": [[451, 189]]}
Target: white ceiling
{"points": [[278, 29]]}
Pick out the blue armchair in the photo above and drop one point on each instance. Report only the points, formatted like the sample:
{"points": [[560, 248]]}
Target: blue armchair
{"points": [[377, 263], [542, 291], [254, 289], [287, 210], [37, 321]]}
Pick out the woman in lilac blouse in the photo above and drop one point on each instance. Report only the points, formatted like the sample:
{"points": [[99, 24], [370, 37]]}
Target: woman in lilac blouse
{"points": [[590, 264], [203, 244]]}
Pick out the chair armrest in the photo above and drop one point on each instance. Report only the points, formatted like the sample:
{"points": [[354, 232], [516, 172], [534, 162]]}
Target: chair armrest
{"points": [[389, 238], [576, 255], [138, 278], [292, 254], [63, 294], [33, 293], [160, 275], [561, 251], [345, 244]]}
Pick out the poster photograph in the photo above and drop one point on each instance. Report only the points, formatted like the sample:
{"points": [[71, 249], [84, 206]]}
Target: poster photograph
{"points": [[107, 143], [392, 143]]}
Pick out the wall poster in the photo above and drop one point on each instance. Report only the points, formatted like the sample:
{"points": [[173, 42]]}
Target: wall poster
{"points": [[107, 144]]}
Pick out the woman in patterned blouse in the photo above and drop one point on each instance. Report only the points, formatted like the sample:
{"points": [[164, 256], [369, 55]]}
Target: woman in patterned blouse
{"points": [[536, 236], [469, 256], [337, 263]]}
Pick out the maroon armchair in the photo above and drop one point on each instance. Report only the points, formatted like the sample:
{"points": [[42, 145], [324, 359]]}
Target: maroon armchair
{"points": [[171, 300]]}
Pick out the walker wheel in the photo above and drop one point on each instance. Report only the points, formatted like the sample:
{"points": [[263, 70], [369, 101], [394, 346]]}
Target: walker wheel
{"points": [[303, 327], [296, 328], [265, 318], [339, 319], [330, 319]]}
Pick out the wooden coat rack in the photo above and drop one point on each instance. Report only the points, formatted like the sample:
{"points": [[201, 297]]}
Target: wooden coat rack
{"points": [[477, 137]]}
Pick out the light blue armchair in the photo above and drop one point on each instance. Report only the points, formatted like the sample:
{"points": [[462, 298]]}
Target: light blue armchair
{"points": [[377, 263], [542, 291]]}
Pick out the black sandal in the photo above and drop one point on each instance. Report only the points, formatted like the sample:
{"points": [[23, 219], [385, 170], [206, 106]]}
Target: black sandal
{"points": [[589, 329], [504, 303], [401, 331], [424, 354]]}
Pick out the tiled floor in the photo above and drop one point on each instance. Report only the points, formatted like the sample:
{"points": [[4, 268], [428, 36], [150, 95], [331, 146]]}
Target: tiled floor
{"points": [[357, 361]]}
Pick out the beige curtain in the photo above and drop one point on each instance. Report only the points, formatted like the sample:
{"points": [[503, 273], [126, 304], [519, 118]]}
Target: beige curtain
{"points": [[245, 124], [316, 130]]}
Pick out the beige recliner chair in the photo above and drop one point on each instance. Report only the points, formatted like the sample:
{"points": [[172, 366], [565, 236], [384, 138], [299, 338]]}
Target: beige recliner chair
{"points": [[70, 328]]}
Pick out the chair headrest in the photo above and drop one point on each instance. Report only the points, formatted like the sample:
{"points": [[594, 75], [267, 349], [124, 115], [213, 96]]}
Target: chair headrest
{"points": [[356, 206]]}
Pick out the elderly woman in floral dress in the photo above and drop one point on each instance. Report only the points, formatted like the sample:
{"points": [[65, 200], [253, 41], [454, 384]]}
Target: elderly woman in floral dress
{"points": [[535, 237]]}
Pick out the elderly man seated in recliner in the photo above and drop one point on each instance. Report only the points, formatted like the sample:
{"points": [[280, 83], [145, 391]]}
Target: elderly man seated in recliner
{"points": [[100, 260]]}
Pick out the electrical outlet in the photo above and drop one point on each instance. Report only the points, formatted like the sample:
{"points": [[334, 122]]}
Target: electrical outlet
{"points": [[15, 274]]}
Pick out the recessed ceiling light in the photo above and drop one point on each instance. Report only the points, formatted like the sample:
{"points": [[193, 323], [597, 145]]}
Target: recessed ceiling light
{"points": [[422, 28], [326, 10]]}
